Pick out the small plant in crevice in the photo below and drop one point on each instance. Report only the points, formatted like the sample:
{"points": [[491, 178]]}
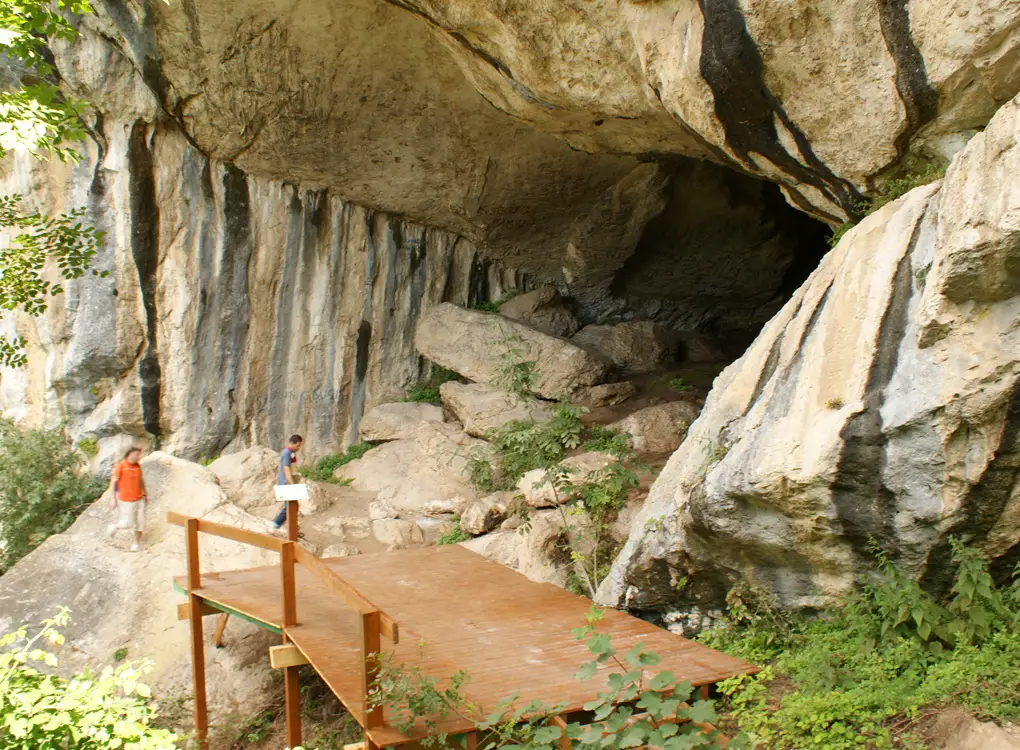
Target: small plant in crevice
{"points": [[88, 446], [680, 384], [607, 440], [206, 460], [426, 390], [892, 190], [835, 403], [326, 466], [455, 535], [494, 305]]}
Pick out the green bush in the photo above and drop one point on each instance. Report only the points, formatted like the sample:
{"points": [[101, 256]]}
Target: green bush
{"points": [[523, 446], [426, 390], [88, 446], [680, 384], [42, 488], [327, 465], [864, 672], [455, 535], [607, 440], [86, 712], [494, 305]]}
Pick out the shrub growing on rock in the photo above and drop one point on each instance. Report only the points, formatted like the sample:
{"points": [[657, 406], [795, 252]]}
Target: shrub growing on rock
{"points": [[43, 488]]}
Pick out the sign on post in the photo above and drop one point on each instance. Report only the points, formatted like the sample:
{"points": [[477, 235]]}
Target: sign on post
{"points": [[287, 492]]}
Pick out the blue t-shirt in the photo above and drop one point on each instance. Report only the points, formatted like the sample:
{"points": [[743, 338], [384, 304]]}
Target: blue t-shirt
{"points": [[286, 459]]}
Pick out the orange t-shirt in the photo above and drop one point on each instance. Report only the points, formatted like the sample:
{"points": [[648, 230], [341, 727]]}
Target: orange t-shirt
{"points": [[129, 481]]}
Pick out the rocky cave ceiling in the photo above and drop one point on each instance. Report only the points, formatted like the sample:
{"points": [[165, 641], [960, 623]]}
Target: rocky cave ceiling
{"points": [[564, 137]]}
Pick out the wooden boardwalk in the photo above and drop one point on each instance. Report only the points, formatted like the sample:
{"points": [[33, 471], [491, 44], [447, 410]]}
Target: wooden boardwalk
{"points": [[456, 611]]}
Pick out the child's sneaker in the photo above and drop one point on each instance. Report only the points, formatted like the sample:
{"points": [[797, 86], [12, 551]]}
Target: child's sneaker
{"points": [[111, 530], [135, 547]]}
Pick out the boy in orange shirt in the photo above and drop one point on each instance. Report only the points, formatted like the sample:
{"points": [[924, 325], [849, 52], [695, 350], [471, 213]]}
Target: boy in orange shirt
{"points": [[127, 491]]}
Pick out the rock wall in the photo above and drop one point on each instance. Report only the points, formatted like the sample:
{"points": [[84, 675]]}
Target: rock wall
{"points": [[881, 403], [237, 310]]}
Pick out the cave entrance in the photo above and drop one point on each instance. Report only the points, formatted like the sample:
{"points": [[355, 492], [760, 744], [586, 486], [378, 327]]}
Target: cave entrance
{"points": [[722, 257]]}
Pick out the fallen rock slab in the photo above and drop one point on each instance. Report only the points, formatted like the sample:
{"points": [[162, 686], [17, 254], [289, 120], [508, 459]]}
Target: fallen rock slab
{"points": [[247, 477], [426, 472], [633, 348], [611, 394], [472, 343], [484, 515], [396, 421], [544, 310], [659, 429], [483, 409]]}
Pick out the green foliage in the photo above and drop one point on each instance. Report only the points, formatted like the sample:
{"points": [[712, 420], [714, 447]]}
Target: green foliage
{"points": [[86, 712], [514, 373], [42, 488], [254, 729], [893, 190], [523, 446], [607, 440], [38, 119], [207, 460], [494, 305], [426, 391], [120, 654], [680, 384], [408, 694], [88, 446], [866, 672], [835, 403], [327, 465], [455, 535]]}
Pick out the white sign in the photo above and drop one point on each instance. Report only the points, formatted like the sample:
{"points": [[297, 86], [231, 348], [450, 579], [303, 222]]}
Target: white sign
{"points": [[285, 492]]}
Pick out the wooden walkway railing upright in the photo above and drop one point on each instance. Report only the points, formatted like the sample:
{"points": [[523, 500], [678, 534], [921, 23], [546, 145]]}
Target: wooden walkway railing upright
{"points": [[374, 623]]}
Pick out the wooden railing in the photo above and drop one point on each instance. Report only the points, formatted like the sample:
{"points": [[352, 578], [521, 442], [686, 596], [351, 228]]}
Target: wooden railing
{"points": [[373, 622]]}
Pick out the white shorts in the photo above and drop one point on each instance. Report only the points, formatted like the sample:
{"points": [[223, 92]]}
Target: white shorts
{"points": [[131, 515]]}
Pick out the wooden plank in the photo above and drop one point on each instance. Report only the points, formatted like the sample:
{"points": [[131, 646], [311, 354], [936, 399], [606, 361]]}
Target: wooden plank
{"points": [[263, 541], [288, 655], [287, 584], [184, 610], [370, 649], [345, 591], [221, 626], [201, 710], [471, 741]]}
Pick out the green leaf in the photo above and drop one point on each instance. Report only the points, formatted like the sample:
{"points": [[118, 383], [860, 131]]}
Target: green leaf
{"points": [[547, 735], [702, 712], [662, 681], [587, 671]]}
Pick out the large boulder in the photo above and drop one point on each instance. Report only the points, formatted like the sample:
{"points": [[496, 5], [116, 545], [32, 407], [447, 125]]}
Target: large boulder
{"points": [[633, 348], [396, 421], [611, 394], [120, 599], [475, 344], [412, 476], [544, 310], [483, 409], [483, 515], [539, 489], [658, 429], [247, 477], [881, 405]]}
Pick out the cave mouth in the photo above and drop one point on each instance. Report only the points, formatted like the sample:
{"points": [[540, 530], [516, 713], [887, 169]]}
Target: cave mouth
{"points": [[722, 257]]}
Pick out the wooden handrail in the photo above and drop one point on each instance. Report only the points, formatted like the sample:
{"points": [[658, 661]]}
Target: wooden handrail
{"points": [[387, 626], [233, 533]]}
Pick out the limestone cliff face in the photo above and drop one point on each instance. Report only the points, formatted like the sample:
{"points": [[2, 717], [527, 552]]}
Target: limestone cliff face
{"points": [[237, 310], [882, 402]]}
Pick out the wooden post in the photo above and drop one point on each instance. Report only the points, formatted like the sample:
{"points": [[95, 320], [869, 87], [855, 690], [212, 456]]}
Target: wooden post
{"points": [[291, 687], [292, 520], [221, 625], [703, 692], [370, 649], [197, 645]]}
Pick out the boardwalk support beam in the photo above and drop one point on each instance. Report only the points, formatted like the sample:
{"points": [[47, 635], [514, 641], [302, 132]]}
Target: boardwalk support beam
{"points": [[289, 655], [291, 688], [197, 644]]}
